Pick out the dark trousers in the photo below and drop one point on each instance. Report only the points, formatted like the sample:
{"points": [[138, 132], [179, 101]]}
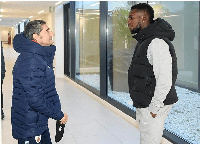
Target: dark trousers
{"points": [[45, 139], [1, 94]]}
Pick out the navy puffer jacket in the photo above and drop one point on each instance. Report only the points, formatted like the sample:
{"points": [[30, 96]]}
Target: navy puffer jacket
{"points": [[35, 98]]}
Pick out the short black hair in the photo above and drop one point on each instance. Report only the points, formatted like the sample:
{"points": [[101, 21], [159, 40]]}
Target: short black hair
{"points": [[145, 7], [33, 27]]}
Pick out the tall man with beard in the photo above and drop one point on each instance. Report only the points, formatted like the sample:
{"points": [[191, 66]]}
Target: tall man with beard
{"points": [[152, 73]]}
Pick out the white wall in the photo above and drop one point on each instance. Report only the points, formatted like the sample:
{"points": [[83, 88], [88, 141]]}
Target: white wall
{"points": [[16, 30], [4, 34], [59, 41], [12, 34], [0, 38], [21, 27]]}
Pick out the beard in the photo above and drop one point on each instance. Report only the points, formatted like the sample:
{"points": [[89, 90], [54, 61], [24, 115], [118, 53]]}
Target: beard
{"points": [[137, 29]]}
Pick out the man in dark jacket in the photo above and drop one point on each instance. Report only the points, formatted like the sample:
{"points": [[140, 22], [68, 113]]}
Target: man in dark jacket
{"points": [[35, 98], [152, 73]]}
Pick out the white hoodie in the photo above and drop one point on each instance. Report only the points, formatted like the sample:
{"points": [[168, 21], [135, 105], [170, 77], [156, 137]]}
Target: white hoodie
{"points": [[159, 56]]}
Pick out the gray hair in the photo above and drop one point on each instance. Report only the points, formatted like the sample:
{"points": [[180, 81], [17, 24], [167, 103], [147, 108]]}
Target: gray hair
{"points": [[33, 27]]}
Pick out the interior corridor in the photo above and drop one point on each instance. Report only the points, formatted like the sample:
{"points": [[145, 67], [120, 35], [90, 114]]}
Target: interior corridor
{"points": [[91, 120]]}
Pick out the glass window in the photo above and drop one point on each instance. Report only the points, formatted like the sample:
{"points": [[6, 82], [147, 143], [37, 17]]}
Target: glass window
{"points": [[183, 117], [120, 48], [87, 43], [184, 18]]}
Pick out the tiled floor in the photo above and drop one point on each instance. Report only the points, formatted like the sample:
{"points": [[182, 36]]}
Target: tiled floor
{"points": [[90, 120]]}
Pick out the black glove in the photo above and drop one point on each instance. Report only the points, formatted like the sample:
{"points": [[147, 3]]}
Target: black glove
{"points": [[59, 131]]}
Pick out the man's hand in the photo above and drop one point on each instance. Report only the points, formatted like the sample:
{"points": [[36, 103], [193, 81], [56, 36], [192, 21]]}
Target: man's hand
{"points": [[64, 119], [153, 115]]}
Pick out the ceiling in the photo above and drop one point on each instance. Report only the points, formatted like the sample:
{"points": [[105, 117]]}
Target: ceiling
{"points": [[17, 11]]}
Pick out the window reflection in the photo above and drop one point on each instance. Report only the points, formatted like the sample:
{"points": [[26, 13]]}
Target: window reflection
{"points": [[120, 46], [180, 15], [87, 17], [184, 18]]}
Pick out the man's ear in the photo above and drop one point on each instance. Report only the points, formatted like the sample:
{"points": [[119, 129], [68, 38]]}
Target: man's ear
{"points": [[143, 18], [35, 36]]}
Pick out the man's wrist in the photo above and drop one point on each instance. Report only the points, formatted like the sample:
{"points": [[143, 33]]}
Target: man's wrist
{"points": [[154, 109]]}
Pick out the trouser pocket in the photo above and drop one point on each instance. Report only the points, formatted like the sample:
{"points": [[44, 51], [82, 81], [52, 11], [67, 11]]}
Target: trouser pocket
{"points": [[164, 111]]}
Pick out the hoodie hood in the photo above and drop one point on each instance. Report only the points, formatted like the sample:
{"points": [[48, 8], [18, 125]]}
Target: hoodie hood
{"points": [[23, 45], [159, 27]]}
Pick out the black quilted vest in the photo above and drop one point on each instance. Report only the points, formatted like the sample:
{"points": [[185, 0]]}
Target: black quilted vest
{"points": [[141, 78]]}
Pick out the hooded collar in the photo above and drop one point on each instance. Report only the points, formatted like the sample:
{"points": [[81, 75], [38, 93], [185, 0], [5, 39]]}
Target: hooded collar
{"points": [[23, 45], [159, 27]]}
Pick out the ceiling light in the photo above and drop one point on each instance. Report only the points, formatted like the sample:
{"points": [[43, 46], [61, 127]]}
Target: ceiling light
{"points": [[94, 4], [41, 12], [58, 2], [4, 1], [92, 13], [0, 15], [0, 19], [153, 3], [170, 15], [30, 16], [1, 10], [19, 22], [166, 16], [174, 15]]}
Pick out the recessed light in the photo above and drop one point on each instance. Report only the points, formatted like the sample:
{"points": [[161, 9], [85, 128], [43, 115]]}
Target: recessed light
{"points": [[0, 15], [30, 16], [95, 4], [1, 10], [153, 3], [58, 2], [41, 12]]}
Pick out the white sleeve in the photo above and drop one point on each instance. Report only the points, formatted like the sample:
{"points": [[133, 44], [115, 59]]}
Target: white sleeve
{"points": [[159, 56]]}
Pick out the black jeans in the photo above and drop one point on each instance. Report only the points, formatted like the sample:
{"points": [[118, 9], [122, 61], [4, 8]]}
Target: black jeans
{"points": [[1, 94], [45, 139]]}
